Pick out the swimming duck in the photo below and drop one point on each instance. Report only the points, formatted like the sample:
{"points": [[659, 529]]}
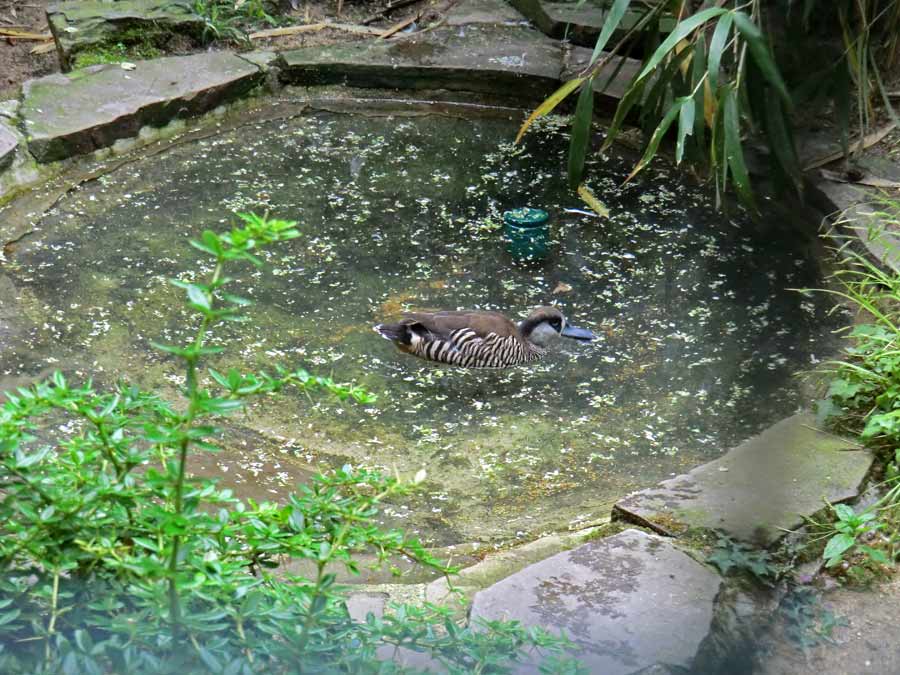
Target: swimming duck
{"points": [[475, 339]]}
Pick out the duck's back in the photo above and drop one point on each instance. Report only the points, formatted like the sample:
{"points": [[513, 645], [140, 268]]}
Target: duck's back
{"points": [[472, 339]]}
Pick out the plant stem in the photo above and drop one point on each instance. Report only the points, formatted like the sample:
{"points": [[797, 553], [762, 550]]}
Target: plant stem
{"points": [[51, 626], [184, 444]]}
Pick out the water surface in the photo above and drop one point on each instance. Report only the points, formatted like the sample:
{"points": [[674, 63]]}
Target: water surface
{"points": [[699, 338]]}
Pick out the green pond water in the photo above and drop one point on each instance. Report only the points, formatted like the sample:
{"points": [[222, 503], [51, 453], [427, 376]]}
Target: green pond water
{"points": [[699, 339]]}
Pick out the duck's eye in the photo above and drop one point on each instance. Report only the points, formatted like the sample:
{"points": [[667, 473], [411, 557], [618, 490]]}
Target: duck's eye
{"points": [[556, 324]]}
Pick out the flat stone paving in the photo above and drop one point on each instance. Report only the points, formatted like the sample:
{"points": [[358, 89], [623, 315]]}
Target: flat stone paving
{"points": [[629, 601], [81, 24], [759, 489], [507, 60], [493, 12], [66, 115]]}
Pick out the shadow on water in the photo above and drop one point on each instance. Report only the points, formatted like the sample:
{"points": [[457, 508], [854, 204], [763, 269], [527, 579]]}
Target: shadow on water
{"points": [[699, 338]]}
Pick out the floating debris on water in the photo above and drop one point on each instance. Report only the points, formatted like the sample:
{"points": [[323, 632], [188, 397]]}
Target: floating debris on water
{"points": [[699, 340]]}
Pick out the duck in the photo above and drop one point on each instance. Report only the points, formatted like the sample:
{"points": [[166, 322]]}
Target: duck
{"points": [[480, 339]]}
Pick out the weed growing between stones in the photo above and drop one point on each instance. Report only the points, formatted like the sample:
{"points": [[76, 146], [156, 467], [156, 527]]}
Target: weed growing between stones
{"points": [[116, 560], [226, 19], [864, 399], [116, 53]]}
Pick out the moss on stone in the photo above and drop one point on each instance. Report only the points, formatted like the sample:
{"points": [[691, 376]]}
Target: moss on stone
{"points": [[125, 50]]}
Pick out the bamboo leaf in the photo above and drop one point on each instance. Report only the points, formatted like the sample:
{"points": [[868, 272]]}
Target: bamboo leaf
{"points": [[550, 103], [782, 141], [888, 106], [700, 82], [682, 30], [685, 127], [658, 134], [581, 135], [588, 197], [660, 95], [734, 152], [610, 22], [628, 101], [759, 50], [717, 46], [841, 96]]}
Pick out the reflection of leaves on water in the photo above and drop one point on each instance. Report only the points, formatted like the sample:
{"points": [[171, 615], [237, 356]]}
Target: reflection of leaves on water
{"points": [[698, 337]]}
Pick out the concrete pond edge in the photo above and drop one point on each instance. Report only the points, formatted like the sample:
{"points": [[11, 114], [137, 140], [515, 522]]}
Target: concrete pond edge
{"points": [[628, 579]]}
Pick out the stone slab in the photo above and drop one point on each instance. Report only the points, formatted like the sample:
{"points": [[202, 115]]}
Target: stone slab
{"points": [[581, 22], [66, 115], [361, 604], [609, 86], [505, 60], [628, 602], [9, 143], [493, 12], [758, 489], [79, 25]]}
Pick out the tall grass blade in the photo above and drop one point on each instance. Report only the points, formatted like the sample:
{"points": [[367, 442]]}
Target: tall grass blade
{"points": [[581, 135]]}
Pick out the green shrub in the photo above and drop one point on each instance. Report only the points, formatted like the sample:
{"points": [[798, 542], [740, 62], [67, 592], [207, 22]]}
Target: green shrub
{"points": [[115, 560]]}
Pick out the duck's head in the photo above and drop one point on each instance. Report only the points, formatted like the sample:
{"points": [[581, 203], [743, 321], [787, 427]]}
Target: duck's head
{"points": [[545, 324]]}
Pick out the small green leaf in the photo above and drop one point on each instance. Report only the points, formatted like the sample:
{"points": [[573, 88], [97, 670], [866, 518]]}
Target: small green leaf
{"points": [[198, 296], [844, 512], [836, 547]]}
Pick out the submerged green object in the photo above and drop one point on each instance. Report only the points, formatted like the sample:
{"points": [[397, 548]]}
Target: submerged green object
{"points": [[527, 233]]}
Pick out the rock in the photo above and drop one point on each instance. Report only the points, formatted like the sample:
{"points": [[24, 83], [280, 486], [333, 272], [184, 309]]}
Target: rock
{"points": [[771, 482], [66, 115], [494, 12], [504, 60], [498, 565], [360, 605], [860, 213], [581, 22], [80, 25], [9, 143], [577, 58], [9, 109], [629, 602]]}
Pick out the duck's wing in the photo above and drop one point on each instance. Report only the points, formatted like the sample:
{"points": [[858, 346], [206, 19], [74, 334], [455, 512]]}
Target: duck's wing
{"points": [[451, 326]]}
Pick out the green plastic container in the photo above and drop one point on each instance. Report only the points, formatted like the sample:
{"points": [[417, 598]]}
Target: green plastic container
{"points": [[527, 233]]}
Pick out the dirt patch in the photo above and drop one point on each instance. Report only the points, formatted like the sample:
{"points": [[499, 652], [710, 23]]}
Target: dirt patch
{"points": [[17, 63], [864, 640]]}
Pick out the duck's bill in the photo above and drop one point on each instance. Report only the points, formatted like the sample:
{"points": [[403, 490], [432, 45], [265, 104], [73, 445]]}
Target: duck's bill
{"points": [[577, 333]]}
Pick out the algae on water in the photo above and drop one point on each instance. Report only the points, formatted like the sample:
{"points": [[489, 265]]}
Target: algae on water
{"points": [[699, 338]]}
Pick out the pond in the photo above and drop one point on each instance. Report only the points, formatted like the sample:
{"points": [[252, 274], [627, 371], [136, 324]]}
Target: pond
{"points": [[699, 337]]}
